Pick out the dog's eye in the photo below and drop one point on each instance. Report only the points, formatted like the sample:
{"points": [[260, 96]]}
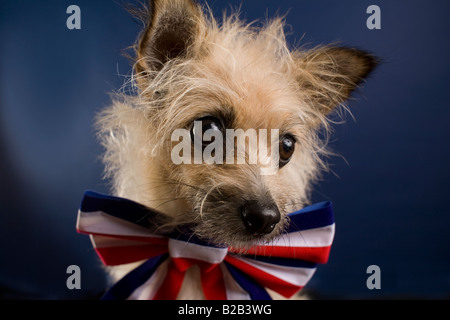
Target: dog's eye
{"points": [[287, 147], [201, 125]]}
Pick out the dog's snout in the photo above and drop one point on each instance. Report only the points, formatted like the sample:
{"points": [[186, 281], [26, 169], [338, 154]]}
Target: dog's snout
{"points": [[258, 218]]}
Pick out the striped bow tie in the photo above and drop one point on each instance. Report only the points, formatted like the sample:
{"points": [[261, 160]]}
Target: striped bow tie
{"points": [[119, 231]]}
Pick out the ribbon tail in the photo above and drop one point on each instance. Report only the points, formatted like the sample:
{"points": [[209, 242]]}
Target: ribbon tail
{"points": [[254, 290], [128, 284], [172, 283], [213, 284]]}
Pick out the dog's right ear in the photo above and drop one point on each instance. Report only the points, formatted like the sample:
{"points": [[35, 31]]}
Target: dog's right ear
{"points": [[171, 29], [328, 75]]}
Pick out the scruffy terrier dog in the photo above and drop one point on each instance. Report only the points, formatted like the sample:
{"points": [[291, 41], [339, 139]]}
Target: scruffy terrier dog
{"points": [[189, 68]]}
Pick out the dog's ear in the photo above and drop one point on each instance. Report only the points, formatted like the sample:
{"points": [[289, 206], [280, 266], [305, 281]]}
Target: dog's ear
{"points": [[171, 29], [328, 75]]}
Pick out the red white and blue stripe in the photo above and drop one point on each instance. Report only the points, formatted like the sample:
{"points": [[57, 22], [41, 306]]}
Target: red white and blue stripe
{"points": [[120, 235]]}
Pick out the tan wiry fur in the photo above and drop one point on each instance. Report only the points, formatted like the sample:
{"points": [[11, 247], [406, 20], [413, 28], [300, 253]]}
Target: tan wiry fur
{"points": [[188, 65]]}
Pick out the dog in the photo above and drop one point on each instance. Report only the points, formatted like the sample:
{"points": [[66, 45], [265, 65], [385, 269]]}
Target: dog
{"points": [[194, 74]]}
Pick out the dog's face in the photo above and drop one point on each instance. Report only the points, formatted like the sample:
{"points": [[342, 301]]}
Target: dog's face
{"points": [[211, 80]]}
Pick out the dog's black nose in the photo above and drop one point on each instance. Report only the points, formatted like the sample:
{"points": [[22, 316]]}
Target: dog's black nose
{"points": [[259, 218]]}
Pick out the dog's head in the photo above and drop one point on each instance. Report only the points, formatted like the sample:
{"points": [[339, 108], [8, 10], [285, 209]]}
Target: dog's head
{"points": [[200, 82]]}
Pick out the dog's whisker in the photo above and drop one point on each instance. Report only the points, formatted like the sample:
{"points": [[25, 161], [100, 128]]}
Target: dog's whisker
{"points": [[206, 196]]}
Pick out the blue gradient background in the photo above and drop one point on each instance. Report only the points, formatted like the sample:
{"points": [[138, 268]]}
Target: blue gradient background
{"points": [[389, 186]]}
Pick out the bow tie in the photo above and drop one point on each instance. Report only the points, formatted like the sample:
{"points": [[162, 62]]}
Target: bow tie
{"points": [[120, 233]]}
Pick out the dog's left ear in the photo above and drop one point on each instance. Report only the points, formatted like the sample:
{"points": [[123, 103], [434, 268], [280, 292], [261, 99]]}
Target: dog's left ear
{"points": [[328, 75], [172, 26]]}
